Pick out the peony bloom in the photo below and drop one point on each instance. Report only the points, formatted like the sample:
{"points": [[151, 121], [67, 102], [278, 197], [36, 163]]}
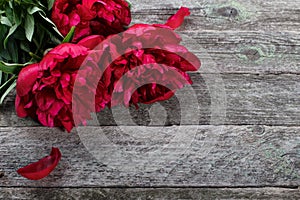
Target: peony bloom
{"points": [[44, 90], [146, 63], [91, 17]]}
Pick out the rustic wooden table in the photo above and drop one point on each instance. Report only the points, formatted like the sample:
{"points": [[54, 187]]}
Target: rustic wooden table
{"points": [[246, 143]]}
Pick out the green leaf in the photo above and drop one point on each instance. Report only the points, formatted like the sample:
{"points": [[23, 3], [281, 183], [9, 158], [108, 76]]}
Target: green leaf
{"points": [[19, 34], [50, 4], [29, 26], [5, 55], [55, 40], [11, 31], [7, 91], [9, 14], [33, 10], [25, 46], [5, 77], [5, 21], [7, 83], [41, 34], [69, 36], [13, 50], [18, 15], [10, 4], [29, 2], [11, 68], [3, 31], [51, 23], [129, 4]]}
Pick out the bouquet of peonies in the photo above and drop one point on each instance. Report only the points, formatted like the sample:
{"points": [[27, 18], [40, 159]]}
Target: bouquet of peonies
{"points": [[70, 58]]}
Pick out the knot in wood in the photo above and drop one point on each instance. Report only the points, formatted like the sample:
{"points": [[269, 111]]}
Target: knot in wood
{"points": [[252, 54], [1, 174], [258, 130], [228, 11]]}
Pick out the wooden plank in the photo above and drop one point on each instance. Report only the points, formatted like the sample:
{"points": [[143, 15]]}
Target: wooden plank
{"points": [[186, 156], [223, 15], [229, 99], [244, 47], [245, 52], [141, 193]]}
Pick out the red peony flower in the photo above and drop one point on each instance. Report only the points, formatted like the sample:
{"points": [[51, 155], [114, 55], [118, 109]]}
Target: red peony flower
{"points": [[145, 64], [91, 17], [44, 90]]}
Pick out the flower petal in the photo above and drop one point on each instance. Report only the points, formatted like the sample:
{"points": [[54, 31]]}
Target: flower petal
{"points": [[89, 3], [27, 78], [41, 168], [65, 50], [176, 20], [91, 42], [21, 111]]}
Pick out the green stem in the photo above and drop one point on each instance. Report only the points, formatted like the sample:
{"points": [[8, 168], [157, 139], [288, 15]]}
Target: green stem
{"points": [[35, 56]]}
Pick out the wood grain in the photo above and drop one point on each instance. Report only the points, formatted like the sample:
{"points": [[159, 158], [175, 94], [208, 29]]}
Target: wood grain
{"points": [[189, 156], [253, 15], [230, 99], [139, 193], [250, 52]]}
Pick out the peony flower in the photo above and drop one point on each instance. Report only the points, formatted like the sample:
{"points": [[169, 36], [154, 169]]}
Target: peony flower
{"points": [[91, 17], [145, 64], [45, 89]]}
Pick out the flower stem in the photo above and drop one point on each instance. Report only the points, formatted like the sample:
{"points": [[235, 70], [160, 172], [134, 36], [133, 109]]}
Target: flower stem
{"points": [[35, 56]]}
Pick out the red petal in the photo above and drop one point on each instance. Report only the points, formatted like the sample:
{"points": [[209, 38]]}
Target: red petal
{"points": [[176, 20], [41, 168], [91, 42], [68, 49], [74, 19], [89, 3], [19, 104], [27, 78]]}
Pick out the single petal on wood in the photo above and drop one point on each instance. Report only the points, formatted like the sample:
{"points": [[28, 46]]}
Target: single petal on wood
{"points": [[41, 168]]}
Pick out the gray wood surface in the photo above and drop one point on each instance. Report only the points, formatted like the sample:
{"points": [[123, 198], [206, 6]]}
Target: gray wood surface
{"points": [[198, 156], [161, 193], [245, 144], [252, 15]]}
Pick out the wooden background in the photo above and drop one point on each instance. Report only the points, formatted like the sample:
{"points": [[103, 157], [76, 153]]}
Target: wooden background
{"points": [[251, 54]]}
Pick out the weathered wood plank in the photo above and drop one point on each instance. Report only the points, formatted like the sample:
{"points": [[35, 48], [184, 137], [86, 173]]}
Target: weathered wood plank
{"points": [[248, 44], [245, 52], [140, 193], [230, 99], [198, 156], [262, 36], [223, 15]]}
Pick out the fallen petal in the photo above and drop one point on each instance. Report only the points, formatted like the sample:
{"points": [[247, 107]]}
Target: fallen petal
{"points": [[176, 20], [41, 168]]}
